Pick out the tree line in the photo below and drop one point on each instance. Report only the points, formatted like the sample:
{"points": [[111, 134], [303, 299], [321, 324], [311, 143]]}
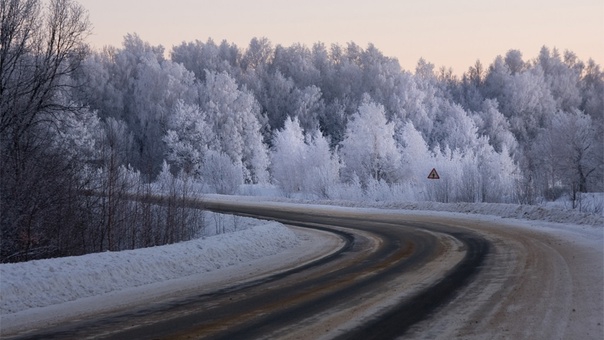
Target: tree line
{"points": [[331, 122]]}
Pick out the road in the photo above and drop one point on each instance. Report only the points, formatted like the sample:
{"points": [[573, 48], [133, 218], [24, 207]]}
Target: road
{"points": [[416, 276]]}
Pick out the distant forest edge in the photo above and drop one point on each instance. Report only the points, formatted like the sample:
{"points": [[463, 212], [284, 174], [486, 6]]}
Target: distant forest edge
{"points": [[329, 122]]}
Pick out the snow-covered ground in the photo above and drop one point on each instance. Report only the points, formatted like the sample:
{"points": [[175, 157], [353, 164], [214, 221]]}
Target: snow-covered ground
{"points": [[45, 292], [36, 288], [47, 282]]}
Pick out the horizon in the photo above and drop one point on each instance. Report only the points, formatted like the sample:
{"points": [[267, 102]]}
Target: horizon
{"points": [[441, 33]]}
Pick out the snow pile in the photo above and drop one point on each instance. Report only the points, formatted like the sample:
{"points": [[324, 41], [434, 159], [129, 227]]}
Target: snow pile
{"points": [[53, 281]]}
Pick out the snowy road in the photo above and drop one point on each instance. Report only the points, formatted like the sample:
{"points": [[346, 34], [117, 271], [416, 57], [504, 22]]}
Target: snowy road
{"points": [[508, 279]]}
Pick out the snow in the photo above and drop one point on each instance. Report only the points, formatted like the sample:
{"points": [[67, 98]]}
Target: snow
{"points": [[37, 287], [53, 281]]}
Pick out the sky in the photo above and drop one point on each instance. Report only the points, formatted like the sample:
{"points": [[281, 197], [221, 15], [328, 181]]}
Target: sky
{"points": [[444, 32]]}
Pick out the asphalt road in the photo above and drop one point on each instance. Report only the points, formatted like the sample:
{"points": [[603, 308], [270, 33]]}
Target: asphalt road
{"points": [[397, 275], [368, 289]]}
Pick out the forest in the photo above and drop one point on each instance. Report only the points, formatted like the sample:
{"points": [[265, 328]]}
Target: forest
{"points": [[318, 122]]}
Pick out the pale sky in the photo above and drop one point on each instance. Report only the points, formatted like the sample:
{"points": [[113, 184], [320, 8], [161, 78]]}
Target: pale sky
{"points": [[451, 33]]}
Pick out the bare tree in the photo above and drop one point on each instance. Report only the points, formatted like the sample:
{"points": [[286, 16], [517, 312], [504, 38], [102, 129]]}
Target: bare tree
{"points": [[39, 50], [40, 47]]}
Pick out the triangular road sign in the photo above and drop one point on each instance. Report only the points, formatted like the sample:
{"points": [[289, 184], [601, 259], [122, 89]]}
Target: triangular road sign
{"points": [[433, 174]]}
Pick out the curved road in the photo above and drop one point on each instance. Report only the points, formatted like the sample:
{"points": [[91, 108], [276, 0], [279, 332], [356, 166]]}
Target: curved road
{"points": [[396, 275]]}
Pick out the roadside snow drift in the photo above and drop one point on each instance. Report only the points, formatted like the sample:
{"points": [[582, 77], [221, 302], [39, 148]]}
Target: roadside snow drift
{"points": [[54, 281]]}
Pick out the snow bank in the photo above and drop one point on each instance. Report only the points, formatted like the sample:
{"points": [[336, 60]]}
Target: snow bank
{"points": [[53, 281]]}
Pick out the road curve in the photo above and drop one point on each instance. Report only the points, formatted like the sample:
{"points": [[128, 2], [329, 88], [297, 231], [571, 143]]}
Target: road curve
{"points": [[536, 281], [388, 276], [407, 291], [399, 274]]}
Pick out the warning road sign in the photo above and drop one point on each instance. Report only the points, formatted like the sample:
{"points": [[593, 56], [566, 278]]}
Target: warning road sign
{"points": [[433, 174]]}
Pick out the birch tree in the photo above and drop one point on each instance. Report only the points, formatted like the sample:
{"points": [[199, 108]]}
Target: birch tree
{"points": [[369, 149]]}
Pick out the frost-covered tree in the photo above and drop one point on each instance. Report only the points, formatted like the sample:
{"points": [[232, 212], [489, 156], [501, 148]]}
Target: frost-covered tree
{"points": [[288, 157], [369, 149], [303, 163], [450, 166], [226, 122], [323, 166], [333, 121], [493, 124], [497, 173], [417, 159], [422, 98], [220, 173], [199, 57], [561, 79], [275, 97], [453, 127], [570, 151], [592, 87], [234, 117], [308, 107], [296, 62], [188, 138], [381, 78], [515, 63], [258, 55], [478, 174], [137, 85], [529, 104], [498, 80]]}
